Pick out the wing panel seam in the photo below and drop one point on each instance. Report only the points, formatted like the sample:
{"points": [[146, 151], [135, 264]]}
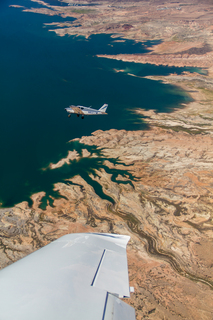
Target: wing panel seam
{"points": [[98, 268], [105, 306]]}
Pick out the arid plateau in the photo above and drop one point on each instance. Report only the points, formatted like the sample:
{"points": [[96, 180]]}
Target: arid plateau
{"points": [[166, 202]]}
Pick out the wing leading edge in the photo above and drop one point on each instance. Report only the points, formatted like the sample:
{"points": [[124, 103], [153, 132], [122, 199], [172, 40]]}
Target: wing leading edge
{"points": [[79, 276], [76, 110]]}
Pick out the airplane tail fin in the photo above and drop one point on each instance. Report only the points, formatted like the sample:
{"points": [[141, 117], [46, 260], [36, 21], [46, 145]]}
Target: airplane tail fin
{"points": [[103, 108]]}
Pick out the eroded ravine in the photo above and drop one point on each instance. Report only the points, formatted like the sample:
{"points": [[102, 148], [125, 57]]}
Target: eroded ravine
{"points": [[153, 249]]}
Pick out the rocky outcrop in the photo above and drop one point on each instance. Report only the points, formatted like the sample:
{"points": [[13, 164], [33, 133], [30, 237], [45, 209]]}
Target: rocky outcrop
{"points": [[178, 60], [158, 183]]}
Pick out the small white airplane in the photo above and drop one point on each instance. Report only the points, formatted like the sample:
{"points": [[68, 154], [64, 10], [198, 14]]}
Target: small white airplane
{"points": [[85, 111]]}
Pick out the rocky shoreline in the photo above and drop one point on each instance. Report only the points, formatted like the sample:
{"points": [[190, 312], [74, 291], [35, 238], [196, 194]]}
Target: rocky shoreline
{"points": [[167, 211], [167, 205]]}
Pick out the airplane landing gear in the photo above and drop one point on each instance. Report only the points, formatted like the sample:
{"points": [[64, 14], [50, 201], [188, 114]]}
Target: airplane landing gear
{"points": [[82, 117], [77, 115], [69, 115]]}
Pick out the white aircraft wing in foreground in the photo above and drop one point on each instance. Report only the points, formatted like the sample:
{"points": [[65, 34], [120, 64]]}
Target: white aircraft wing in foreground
{"points": [[88, 111], [77, 277]]}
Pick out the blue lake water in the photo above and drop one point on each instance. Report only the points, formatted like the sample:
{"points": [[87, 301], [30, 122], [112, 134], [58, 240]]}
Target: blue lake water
{"points": [[41, 74]]}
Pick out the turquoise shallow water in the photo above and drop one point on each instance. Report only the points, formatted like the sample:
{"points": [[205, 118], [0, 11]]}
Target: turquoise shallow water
{"points": [[41, 74]]}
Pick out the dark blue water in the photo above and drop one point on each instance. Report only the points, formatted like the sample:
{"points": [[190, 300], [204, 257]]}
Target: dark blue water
{"points": [[41, 74]]}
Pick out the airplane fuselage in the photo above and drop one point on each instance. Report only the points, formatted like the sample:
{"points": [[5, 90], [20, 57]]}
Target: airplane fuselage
{"points": [[86, 111], [81, 110]]}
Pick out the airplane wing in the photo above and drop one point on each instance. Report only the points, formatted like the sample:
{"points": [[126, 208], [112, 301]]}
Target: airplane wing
{"points": [[77, 110], [77, 277]]}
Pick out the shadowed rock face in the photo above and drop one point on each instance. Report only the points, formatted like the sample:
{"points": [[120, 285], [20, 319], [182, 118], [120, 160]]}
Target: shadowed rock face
{"points": [[164, 201]]}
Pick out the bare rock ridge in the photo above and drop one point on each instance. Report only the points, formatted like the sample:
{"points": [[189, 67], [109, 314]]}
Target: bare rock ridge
{"points": [[162, 194]]}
